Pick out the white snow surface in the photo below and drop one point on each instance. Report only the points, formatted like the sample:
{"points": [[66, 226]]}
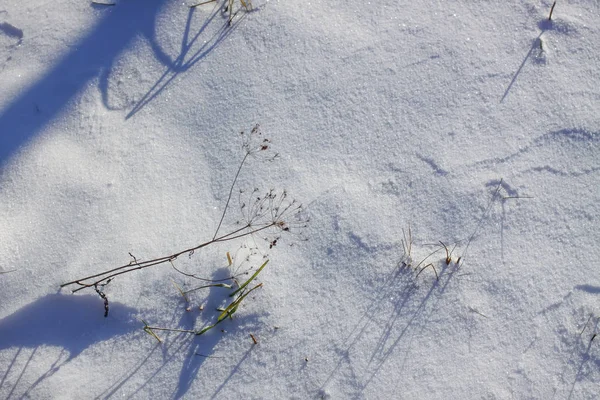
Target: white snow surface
{"points": [[472, 123]]}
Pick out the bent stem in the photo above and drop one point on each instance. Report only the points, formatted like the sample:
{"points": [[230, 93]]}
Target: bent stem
{"points": [[138, 265]]}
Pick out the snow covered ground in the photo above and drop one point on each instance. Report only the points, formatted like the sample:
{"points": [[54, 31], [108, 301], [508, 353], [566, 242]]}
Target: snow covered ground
{"points": [[399, 126]]}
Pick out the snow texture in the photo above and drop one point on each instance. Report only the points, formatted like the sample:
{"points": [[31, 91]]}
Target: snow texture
{"points": [[401, 127]]}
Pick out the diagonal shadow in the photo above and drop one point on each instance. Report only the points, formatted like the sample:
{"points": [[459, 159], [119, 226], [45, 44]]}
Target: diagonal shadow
{"points": [[535, 45], [585, 357], [200, 348], [187, 57], [72, 323], [390, 338], [399, 280], [234, 370], [29, 112], [183, 350], [588, 288]]}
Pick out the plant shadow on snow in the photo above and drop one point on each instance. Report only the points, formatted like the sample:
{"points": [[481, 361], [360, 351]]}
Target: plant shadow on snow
{"points": [[188, 57], [199, 349], [72, 323], [192, 351], [586, 365], [536, 47], [584, 360], [402, 309], [94, 56], [402, 305], [406, 312], [39, 104]]}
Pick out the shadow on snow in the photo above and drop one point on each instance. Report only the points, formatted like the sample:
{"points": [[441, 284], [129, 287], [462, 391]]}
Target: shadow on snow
{"points": [[72, 323], [93, 56]]}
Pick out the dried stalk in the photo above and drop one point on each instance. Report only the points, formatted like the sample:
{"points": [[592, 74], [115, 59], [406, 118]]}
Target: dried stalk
{"points": [[266, 212], [138, 265]]}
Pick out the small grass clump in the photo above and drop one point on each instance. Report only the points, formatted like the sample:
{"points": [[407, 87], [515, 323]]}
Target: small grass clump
{"points": [[407, 241]]}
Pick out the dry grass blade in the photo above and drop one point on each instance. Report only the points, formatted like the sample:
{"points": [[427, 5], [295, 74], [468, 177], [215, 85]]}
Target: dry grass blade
{"points": [[223, 285], [183, 294], [6, 272], [149, 331]]}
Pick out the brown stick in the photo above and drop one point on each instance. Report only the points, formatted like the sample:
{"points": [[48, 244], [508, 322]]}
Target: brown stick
{"points": [[551, 10]]}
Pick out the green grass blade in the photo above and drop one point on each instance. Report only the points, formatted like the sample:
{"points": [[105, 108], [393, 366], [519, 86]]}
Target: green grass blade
{"points": [[249, 280], [234, 304]]}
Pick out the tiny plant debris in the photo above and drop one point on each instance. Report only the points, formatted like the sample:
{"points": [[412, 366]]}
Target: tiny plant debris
{"points": [[271, 213], [448, 254], [586, 325], [150, 332], [407, 243], [6, 272]]}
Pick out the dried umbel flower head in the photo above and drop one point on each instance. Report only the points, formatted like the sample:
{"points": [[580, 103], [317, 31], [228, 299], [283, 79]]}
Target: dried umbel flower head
{"points": [[272, 214], [273, 209], [255, 144]]}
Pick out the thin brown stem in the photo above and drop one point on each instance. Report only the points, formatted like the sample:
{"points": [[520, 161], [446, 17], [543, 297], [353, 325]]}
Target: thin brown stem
{"points": [[6, 272], [230, 193], [551, 11], [104, 276], [207, 286], [430, 254], [423, 269]]}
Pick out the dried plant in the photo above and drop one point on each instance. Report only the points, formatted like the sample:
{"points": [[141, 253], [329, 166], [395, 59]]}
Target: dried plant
{"points": [[228, 7], [272, 212]]}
